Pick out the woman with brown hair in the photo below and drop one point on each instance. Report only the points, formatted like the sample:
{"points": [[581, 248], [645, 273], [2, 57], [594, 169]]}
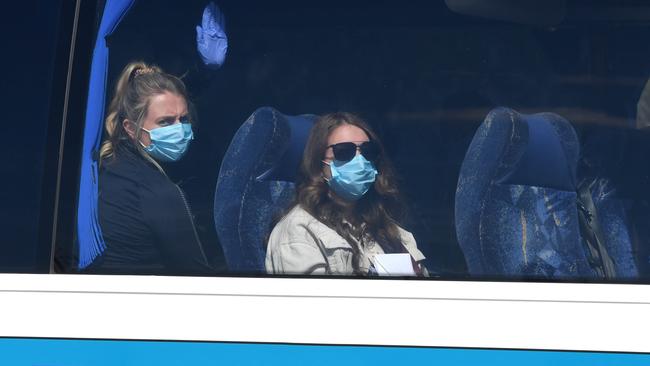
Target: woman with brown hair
{"points": [[346, 205], [145, 219]]}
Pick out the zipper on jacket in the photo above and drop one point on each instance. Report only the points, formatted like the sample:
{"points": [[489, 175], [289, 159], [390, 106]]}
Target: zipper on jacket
{"points": [[189, 214]]}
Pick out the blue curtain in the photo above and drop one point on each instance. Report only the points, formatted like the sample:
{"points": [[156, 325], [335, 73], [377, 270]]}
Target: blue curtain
{"points": [[89, 236]]}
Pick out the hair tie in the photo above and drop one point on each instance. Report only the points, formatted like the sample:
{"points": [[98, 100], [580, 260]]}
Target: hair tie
{"points": [[141, 71]]}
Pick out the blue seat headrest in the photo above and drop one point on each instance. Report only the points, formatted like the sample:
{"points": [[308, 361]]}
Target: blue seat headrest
{"points": [[286, 168], [542, 151]]}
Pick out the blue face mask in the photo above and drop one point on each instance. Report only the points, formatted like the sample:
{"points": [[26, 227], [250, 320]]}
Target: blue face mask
{"points": [[352, 179], [169, 143]]}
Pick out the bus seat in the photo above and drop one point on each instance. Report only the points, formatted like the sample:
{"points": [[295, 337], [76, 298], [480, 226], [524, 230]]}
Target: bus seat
{"points": [[256, 182], [515, 205]]}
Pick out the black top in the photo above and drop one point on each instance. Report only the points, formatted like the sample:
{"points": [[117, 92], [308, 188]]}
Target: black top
{"points": [[145, 221]]}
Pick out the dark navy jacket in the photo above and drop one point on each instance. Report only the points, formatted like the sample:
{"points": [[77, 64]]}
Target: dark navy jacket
{"points": [[146, 221]]}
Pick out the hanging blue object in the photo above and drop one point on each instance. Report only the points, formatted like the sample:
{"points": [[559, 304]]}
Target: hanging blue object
{"points": [[211, 38], [89, 236]]}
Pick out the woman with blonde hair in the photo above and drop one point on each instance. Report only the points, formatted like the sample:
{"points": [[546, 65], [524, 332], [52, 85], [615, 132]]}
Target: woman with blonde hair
{"points": [[347, 205], [145, 218]]}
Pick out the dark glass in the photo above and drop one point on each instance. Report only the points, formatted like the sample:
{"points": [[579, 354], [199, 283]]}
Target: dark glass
{"points": [[345, 151], [424, 77], [36, 38]]}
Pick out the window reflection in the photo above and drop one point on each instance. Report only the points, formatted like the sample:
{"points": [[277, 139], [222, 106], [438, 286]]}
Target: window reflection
{"points": [[429, 81]]}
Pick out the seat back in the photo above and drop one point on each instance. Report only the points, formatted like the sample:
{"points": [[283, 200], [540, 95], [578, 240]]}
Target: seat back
{"points": [[256, 182], [515, 208]]}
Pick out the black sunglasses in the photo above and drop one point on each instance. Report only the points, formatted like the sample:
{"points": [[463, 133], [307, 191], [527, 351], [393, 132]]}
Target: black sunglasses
{"points": [[346, 151]]}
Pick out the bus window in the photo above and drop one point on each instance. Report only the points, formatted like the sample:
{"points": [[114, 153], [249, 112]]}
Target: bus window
{"points": [[33, 89], [544, 110]]}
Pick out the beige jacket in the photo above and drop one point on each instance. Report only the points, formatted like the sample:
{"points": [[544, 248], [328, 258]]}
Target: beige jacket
{"points": [[300, 244]]}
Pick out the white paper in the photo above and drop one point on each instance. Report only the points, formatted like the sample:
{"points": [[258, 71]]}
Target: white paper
{"points": [[397, 264]]}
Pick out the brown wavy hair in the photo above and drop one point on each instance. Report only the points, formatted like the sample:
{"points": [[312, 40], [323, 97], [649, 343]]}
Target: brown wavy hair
{"points": [[374, 215]]}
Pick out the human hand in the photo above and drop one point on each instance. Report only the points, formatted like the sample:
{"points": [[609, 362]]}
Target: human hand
{"points": [[211, 38]]}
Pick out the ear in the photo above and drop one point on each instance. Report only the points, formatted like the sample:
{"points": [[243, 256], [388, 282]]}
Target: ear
{"points": [[129, 127]]}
